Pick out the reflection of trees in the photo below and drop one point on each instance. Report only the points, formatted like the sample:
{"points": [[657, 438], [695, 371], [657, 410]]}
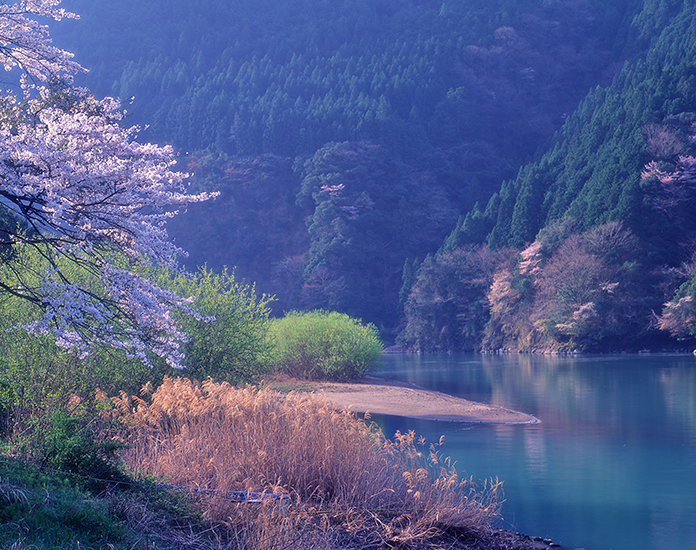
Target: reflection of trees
{"points": [[551, 387], [616, 440], [612, 395], [454, 374], [619, 396], [678, 389]]}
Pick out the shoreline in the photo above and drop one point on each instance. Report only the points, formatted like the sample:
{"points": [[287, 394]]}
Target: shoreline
{"points": [[379, 396]]}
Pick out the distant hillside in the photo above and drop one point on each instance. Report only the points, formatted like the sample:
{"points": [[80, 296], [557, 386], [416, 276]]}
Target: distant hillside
{"points": [[276, 101], [595, 240]]}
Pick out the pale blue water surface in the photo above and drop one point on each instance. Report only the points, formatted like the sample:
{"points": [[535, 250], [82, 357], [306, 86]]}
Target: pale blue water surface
{"points": [[611, 465]]}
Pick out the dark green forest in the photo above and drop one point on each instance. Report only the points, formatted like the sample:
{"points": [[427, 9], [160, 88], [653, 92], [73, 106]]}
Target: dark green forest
{"points": [[466, 175]]}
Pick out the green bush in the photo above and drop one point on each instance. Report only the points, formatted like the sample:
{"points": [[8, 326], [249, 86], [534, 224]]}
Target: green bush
{"points": [[68, 441], [324, 345], [230, 342], [39, 377]]}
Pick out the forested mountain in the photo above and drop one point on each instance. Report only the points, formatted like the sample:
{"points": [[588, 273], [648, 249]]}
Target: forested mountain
{"points": [[595, 239], [286, 78], [347, 138]]}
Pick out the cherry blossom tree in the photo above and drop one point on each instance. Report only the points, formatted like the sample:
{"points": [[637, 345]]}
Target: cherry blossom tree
{"points": [[79, 191], [25, 43]]}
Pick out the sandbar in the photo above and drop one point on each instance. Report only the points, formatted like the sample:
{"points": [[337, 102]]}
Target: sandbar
{"points": [[379, 396]]}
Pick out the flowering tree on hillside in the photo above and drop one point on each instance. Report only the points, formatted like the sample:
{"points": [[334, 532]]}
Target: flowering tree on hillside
{"points": [[78, 190]]}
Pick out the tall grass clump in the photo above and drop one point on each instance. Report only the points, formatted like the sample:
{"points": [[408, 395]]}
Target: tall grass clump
{"points": [[344, 478], [324, 345]]}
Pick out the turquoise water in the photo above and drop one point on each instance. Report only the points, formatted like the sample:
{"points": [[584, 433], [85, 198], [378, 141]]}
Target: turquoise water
{"points": [[611, 465]]}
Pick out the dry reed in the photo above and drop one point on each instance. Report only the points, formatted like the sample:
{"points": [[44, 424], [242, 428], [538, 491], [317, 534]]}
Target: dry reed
{"points": [[346, 481]]}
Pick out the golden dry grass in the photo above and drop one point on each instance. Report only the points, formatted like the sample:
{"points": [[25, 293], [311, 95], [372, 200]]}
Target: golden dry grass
{"points": [[348, 485]]}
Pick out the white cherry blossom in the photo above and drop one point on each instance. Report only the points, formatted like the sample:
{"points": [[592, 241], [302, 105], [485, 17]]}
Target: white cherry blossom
{"points": [[77, 186], [26, 43]]}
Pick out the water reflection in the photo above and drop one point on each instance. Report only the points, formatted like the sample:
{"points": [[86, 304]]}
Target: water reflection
{"points": [[679, 393], [535, 453], [613, 462]]}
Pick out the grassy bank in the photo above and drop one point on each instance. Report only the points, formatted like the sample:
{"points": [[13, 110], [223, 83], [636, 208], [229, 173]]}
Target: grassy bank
{"points": [[45, 509], [344, 484]]}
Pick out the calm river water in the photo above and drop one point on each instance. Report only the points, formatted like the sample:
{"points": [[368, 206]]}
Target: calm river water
{"points": [[611, 465]]}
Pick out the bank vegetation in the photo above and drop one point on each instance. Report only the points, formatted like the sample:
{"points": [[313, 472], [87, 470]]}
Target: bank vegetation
{"points": [[102, 450]]}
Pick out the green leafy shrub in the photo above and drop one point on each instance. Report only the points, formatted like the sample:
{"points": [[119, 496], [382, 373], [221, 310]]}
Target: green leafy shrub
{"points": [[229, 342], [322, 344], [69, 441], [39, 377]]}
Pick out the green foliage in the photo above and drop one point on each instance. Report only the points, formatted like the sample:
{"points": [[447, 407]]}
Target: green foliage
{"points": [[399, 118], [356, 253], [324, 345], [591, 171], [455, 97], [611, 232], [227, 338], [590, 292], [70, 441], [254, 222], [44, 509], [568, 290], [41, 510], [447, 307], [679, 314], [36, 375], [285, 79], [47, 393], [42, 386]]}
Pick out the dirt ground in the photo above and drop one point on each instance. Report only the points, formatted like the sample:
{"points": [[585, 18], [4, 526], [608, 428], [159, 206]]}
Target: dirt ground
{"points": [[378, 396]]}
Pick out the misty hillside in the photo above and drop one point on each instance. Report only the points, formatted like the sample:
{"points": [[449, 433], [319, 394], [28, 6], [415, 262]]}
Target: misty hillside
{"points": [[347, 139]]}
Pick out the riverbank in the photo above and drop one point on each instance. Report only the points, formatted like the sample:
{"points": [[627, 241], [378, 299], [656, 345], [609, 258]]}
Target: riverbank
{"points": [[379, 396]]}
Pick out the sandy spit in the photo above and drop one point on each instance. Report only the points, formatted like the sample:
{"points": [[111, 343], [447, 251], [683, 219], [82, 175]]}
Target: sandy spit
{"points": [[379, 396]]}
